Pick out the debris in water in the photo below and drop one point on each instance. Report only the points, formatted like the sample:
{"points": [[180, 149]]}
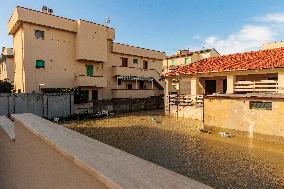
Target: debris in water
{"points": [[56, 119], [225, 134], [205, 131]]}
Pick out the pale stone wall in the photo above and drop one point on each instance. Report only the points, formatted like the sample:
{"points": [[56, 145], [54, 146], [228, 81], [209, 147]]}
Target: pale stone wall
{"points": [[235, 113]]}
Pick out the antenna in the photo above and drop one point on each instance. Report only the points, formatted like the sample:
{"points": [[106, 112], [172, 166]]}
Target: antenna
{"points": [[107, 20]]}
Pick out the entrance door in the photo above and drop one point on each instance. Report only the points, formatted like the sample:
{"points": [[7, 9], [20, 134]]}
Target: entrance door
{"points": [[210, 86]]}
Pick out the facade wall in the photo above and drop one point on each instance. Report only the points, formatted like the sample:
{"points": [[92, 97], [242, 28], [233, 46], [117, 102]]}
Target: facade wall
{"points": [[236, 114], [19, 77], [57, 50]]}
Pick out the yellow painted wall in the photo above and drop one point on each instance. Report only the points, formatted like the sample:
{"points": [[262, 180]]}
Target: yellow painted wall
{"points": [[236, 114]]}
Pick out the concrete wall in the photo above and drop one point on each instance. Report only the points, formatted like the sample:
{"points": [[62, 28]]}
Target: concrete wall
{"points": [[39, 158], [235, 113], [121, 105], [43, 105]]}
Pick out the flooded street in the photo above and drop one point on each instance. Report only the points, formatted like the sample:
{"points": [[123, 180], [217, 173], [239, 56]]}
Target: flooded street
{"points": [[177, 144]]}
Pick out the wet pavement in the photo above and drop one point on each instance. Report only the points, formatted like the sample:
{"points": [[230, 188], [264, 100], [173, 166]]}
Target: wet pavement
{"points": [[177, 144]]}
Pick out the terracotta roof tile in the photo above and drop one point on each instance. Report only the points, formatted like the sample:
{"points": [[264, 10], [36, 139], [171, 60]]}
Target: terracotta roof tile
{"points": [[254, 60]]}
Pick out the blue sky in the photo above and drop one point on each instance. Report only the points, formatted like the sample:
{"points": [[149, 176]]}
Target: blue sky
{"points": [[168, 25]]}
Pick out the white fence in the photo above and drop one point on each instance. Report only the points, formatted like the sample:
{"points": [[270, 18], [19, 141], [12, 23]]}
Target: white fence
{"points": [[262, 86]]}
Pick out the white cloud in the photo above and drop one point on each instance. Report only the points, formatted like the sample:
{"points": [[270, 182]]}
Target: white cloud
{"points": [[274, 18], [265, 29], [249, 37]]}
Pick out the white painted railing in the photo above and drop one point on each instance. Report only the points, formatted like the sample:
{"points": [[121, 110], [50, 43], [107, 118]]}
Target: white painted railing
{"points": [[262, 86]]}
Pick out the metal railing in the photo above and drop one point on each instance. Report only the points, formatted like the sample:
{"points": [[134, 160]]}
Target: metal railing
{"points": [[186, 100]]}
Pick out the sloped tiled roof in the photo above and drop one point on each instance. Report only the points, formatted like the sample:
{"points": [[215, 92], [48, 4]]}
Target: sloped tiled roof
{"points": [[254, 60]]}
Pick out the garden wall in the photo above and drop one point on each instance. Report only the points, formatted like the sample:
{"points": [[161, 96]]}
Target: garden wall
{"points": [[44, 105]]}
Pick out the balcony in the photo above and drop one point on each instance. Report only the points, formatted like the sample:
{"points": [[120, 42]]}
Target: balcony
{"points": [[134, 93], [87, 81]]}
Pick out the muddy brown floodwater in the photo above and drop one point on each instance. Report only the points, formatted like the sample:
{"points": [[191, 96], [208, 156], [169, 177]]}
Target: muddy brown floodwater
{"points": [[177, 144]]}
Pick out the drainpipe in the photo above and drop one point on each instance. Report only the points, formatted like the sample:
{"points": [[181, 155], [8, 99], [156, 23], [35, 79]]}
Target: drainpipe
{"points": [[22, 59]]}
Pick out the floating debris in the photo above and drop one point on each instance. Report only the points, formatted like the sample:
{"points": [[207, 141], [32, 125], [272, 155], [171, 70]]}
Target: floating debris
{"points": [[225, 134], [56, 119], [205, 131]]}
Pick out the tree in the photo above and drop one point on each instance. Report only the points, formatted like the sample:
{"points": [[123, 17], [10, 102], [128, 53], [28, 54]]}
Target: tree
{"points": [[6, 86]]}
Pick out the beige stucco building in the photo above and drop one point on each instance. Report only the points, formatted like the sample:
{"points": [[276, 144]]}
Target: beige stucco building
{"points": [[7, 64], [52, 52]]}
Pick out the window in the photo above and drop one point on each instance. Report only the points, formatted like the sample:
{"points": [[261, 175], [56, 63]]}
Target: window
{"points": [[129, 86], [124, 62], [94, 94], [186, 60], [39, 64], [145, 64], [174, 62], [39, 34], [89, 70], [260, 105], [119, 82], [135, 61]]}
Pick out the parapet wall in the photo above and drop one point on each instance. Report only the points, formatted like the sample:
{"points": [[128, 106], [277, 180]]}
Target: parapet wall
{"points": [[47, 155]]}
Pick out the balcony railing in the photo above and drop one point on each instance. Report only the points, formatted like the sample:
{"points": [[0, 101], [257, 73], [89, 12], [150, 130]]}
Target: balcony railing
{"points": [[262, 86]]}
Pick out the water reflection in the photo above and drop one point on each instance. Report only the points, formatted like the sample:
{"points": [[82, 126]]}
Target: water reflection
{"points": [[178, 146]]}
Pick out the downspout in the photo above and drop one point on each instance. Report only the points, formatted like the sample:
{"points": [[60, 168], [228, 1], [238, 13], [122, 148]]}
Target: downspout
{"points": [[22, 59]]}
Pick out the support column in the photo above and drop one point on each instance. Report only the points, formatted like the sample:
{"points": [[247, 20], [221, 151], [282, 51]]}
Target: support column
{"points": [[281, 82], [152, 83], [166, 97], [116, 82], [194, 84], [231, 79]]}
